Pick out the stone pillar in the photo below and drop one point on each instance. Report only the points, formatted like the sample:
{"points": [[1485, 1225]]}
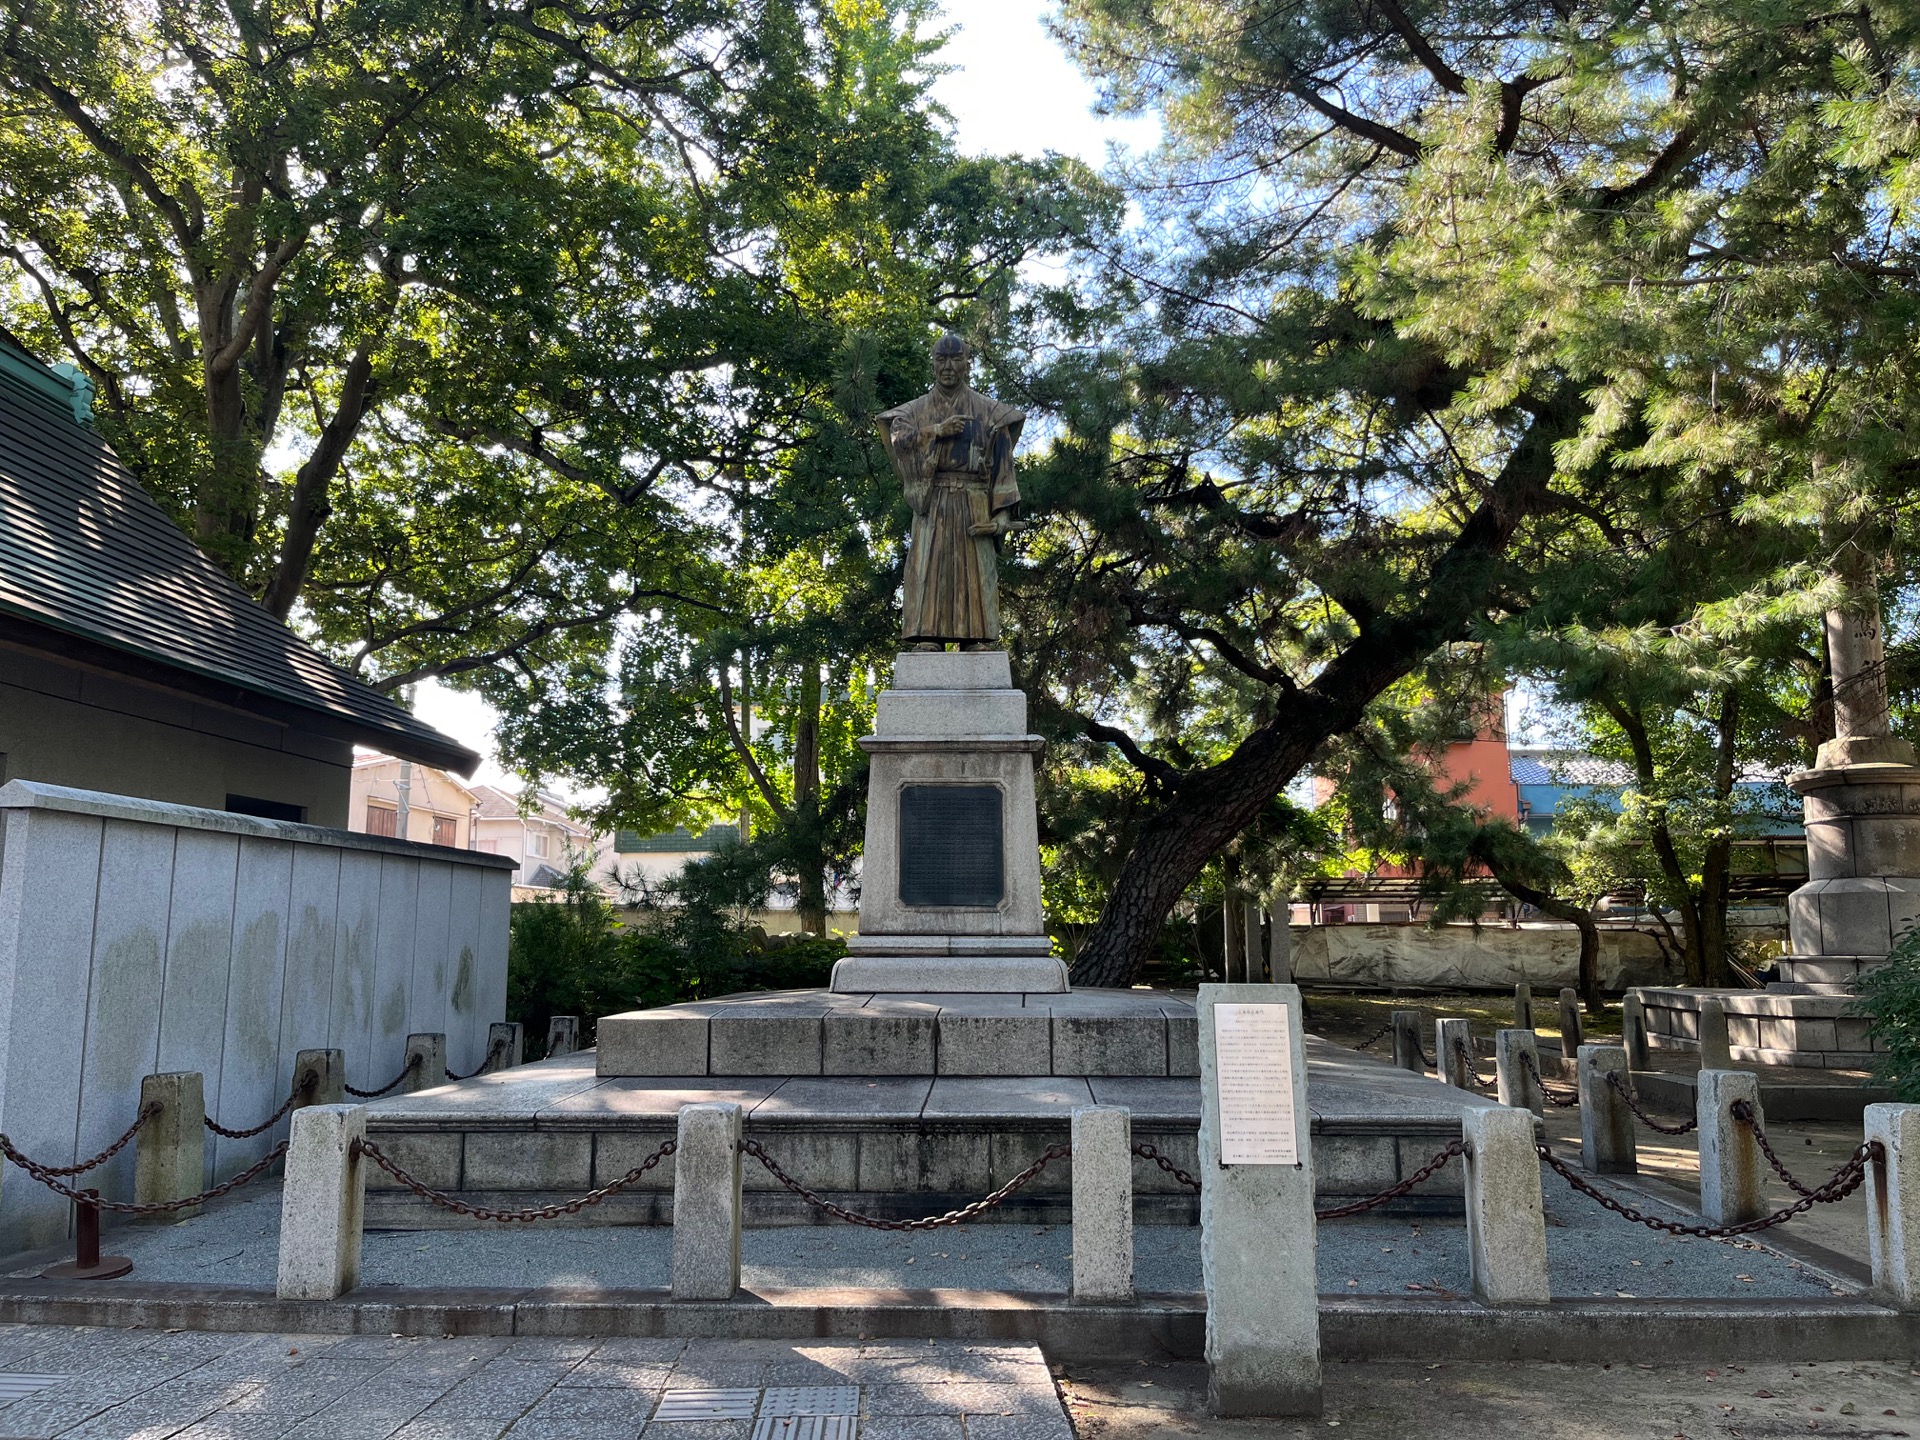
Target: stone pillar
{"points": [[1732, 1188], [322, 1203], [1257, 1228], [1633, 1033], [1893, 1204], [706, 1203], [170, 1152], [1571, 1031], [1607, 1141], [1506, 1221], [1233, 962], [1523, 1006], [1453, 1052], [1102, 1205], [563, 1035], [1280, 950], [327, 1084], [1406, 1041], [1715, 1052], [432, 1068], [1254, 950], [1517, 1087], [506, 1046]]}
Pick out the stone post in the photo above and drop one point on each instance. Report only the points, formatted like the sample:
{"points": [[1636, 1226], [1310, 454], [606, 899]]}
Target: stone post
{"points": [[432, 1069], [1633, 1032], [328, 1082], [1406, 1041], [1102, 1205], [170, 1152], [506, 1046], [1506, 1221], [1715, 1051], [321, 1204], [563, 1035], [1280, 947], [1893, 1204], [1453, 1052], [1731, 1168], [1257, 1228], [706, 1203], [1571, 1031], [1523, 1006], [1255, 951], [1517, 1087], [1607, 1141]]}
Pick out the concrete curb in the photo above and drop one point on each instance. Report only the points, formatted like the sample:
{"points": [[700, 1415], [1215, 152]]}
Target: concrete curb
{"points": [[1351, 1327]]}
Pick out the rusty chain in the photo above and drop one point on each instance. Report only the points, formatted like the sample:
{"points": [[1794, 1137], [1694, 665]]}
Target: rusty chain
{"points": [[413, 1064], [1633, 1104], [1394, 1192], [1743, 1112], [371, 1151], [1376, 1037], [925, 1222], [46, 1174], [1842, 1183], [1489, 1087], [112, 1150], [1147, 1152], [1533, 1069], [301, 1085], [498, 1047]]}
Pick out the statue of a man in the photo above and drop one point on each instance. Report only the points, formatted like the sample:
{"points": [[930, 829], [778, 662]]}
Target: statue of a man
{"points": [[953, 449]]}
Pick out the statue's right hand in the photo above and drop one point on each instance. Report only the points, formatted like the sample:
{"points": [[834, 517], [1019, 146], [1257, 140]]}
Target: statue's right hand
{"points": [[953, 425]]}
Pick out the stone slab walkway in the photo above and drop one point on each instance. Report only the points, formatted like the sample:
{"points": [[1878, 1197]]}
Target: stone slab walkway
{"points": [[142, 1385]]}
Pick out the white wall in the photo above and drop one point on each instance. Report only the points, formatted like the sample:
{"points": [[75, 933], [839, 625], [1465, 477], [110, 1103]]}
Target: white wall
{"points": [[138, 937]]}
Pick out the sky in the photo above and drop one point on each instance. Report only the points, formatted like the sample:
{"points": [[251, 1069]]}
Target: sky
{"points": [[1012, 90]]}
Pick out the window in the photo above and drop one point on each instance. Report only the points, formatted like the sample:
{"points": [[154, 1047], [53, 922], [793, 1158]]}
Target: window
{"points": [[537, 842], [381, 819], [265, 809], [446, 830]]}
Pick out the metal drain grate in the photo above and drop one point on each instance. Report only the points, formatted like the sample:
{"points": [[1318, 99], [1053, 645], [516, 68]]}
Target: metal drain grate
{"points": [[784, 1401], [708, 1405], [807, 1427], [18, 1387]]}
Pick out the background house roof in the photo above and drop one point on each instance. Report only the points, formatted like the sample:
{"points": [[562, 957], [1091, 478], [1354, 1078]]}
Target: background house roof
{"points": [[85, 553]]}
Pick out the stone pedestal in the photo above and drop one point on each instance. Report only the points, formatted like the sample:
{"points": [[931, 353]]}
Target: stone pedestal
{"points": [[950, 891]]}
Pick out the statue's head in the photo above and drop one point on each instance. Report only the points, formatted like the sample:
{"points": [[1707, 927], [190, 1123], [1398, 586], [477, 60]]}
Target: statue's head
{"points": [[952, 359]]}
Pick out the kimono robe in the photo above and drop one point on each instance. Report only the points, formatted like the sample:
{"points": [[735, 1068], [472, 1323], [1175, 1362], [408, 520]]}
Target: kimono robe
{"points": [[954, 484]]}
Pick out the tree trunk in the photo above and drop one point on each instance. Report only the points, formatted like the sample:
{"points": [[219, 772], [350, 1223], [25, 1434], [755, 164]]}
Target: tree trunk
{"points": [[812, 901], [1581, 918], [1208, 808]]}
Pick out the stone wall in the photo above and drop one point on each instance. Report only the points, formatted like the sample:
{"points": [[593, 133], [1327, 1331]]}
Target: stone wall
{"points": [[138, 937], [1494, 957]]}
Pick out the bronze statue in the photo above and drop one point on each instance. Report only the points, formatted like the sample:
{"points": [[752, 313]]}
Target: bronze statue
{"points": [[953, 449]]}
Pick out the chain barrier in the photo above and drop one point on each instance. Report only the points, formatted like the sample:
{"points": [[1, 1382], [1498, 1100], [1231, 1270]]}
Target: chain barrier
{"points": [[46, 1175], [304, 1082], [368, 1150], [1633, 1104], [112, 1150], [1376, 1037], [1147, 1152], [1533, 1069], [1743, 1112], [1487, 1087], [1393, 1192], [413, 1064], [1842, 1183], [497, 1048], [925, 1222]]}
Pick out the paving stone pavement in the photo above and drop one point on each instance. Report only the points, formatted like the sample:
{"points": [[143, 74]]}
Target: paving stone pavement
{"points": [[149, 1385]]}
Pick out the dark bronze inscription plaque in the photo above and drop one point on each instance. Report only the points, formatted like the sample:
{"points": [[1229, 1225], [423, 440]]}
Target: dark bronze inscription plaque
{"points": [[950, 845]]}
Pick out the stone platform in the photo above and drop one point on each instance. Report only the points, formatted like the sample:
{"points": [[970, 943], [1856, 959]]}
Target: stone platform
{"points": [[1765, 1027], [887, 1142]]}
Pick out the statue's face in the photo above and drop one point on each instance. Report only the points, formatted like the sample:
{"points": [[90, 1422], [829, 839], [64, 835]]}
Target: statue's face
{"points": [[950, 368]]}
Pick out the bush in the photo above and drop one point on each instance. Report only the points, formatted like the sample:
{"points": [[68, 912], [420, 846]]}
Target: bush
{"points": [[1890, 996]]}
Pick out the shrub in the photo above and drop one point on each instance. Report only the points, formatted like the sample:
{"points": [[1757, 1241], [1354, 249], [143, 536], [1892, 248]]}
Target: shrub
{"points": [[1890, 996]]}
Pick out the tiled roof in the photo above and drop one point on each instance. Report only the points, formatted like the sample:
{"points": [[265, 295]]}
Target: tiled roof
{"points": [[1567, 769], [86, 552]]}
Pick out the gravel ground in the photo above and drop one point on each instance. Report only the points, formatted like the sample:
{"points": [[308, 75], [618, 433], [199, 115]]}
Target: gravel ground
{"points": [[1590, 1253]]}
